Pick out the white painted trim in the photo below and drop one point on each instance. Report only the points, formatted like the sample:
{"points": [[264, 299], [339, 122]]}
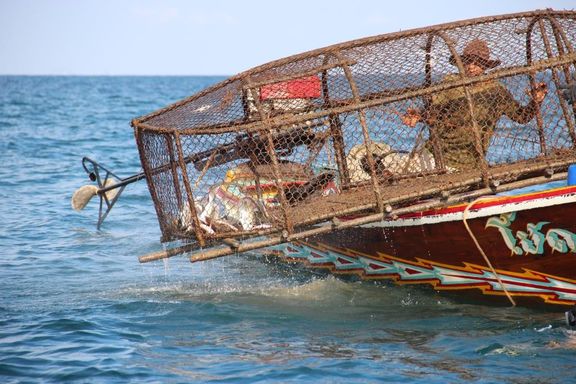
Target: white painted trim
{"points": [[567, 198]]}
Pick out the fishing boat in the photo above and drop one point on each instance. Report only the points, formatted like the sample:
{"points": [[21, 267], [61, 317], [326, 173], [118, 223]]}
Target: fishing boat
{"points": [[438, 156]]}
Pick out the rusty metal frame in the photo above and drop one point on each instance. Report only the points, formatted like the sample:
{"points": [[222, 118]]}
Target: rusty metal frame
{"points": [[365, 133], [265, 124], [267, 131], [189, 195], [141, 121]]}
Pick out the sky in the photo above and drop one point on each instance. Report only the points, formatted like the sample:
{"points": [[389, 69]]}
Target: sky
{"points": [[209, 37]]}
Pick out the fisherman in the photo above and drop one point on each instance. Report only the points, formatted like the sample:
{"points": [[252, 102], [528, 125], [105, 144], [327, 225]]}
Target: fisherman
{"points": [[449, 117]]}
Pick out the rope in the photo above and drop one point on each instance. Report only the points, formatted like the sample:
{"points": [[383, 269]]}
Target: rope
{"points": [[465, 221]]}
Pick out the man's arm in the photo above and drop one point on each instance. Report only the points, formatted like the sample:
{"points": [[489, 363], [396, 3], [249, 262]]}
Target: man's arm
{"points": [[517, 112]]}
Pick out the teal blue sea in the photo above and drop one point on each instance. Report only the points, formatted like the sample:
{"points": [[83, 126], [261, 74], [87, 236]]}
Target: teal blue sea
{"points": [[76, 306]]}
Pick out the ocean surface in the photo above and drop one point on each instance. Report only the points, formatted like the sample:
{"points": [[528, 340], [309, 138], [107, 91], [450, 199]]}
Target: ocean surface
{"points": [[76, 306]]}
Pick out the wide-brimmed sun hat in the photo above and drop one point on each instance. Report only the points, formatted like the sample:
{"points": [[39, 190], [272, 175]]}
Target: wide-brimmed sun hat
{"points": [[477, 52]]}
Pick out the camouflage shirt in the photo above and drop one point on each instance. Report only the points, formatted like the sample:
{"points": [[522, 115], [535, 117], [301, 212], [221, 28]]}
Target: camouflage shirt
{"points": [[451, 124]]}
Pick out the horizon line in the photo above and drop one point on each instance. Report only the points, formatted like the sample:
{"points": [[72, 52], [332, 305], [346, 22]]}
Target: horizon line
{"points": [[108, 75]]}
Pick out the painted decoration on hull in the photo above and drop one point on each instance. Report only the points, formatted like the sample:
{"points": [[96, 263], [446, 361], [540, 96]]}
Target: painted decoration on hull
{"points": [[534, 239], [551, 289]]}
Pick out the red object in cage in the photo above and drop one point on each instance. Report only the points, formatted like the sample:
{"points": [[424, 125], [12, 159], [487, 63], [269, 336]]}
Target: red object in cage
{"points": [[302, 88]]}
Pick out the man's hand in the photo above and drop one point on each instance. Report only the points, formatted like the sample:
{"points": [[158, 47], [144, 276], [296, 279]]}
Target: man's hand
{"points": [[539, 92], [412, 117]]}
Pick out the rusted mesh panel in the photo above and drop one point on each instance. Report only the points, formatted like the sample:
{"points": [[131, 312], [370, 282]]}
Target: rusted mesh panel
{"points": [[164, 178], [363, 125], [221, 106]]}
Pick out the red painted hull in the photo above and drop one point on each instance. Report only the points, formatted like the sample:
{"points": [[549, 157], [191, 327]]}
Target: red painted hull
{"points": [[529, 239]]}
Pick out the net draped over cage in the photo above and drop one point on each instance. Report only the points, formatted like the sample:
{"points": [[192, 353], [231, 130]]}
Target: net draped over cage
{"points": [[359, 127]]}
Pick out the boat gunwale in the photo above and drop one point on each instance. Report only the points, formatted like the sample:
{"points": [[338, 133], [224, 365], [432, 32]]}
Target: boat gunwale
{"points": [[495, 201]]}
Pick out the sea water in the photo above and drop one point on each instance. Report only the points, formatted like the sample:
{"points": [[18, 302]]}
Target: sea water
{"points": [[76, 306]]}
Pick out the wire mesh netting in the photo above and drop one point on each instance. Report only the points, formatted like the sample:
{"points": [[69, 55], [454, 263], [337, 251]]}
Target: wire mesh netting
{"points": [[360, 127]]}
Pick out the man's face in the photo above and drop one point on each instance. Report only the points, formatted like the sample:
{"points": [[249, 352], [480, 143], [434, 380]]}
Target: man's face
{"points": [[474, 69]]}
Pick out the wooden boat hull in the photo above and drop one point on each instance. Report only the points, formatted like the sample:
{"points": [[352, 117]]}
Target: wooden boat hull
{"points": [[530, 240]]}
